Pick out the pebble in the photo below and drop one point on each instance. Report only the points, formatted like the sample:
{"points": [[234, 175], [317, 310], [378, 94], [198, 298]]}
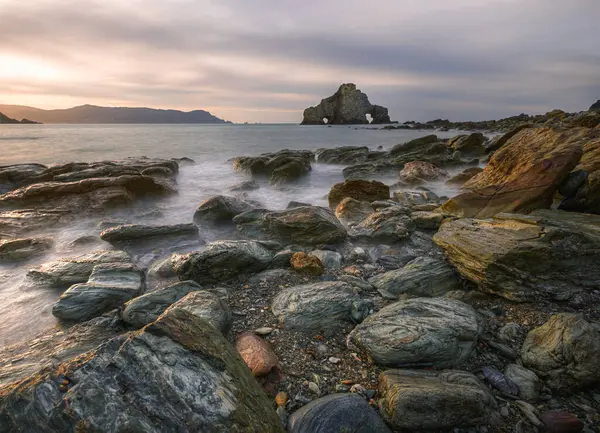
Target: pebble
{"points": [[263, 331], [334, 360], [314, 388], [504, 411], [342, 388], [529, 411]]}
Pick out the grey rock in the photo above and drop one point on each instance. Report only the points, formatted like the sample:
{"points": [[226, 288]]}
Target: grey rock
{"points": [[416, 400], [509, 332], [345, 155], [308, 225], [220, 209], [282, 259], [222, 261], [415, 197], [208, 306], [319, 306], [329, 259], [146, 308], [337, 413], [529, 384], [177, 374], [129, 232], [281, 167], [423, 276], [12, 250], [109, 287], [272, 276], [433, 332], [294, 204], [564, 352], [427, 220], [389, 224], [65, 272], [363, 285], [471, 144], [247, 185]]}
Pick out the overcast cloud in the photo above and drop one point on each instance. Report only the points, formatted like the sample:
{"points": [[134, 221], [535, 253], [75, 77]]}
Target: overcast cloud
{"points": [[267, 60]]}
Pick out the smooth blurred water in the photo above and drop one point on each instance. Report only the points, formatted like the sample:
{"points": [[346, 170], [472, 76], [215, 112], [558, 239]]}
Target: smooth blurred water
{"points": [[25, 312]]}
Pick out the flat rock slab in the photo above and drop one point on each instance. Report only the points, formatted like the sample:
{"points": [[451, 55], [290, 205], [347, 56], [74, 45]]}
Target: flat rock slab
{"points": [[138, 231], [222, 261], [423, 276], [177, 374], [319, 306], [415, 400], [12, 250], [547, 253], [108, 287], [424, 332], [337, 413]]}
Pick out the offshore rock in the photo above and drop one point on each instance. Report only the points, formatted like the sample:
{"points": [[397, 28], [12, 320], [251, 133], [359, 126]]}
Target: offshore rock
{"points": [[424, 332], [177, 374], [548, 253], [347, 106]]}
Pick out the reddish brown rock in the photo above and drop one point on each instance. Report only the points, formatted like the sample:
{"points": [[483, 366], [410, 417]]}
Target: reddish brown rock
{"points": [[523, 175], [350, 209], [557, 421], [306, 263], [421, 171], [257, 354], [362, 190]]}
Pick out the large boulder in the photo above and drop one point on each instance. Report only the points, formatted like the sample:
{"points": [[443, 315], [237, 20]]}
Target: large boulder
{"points": [[343, 155], [22, 249], [220, 209], [423, 276], [420, 171], [306, 225], [362, 190], [177, 374], [347, 106], [548, 253], [221, 261], [523, 175], [424, 332], [564, 352], [129, 232], [416, 400], [337, 413], [108, 287], [319, 306], [146, 308], [65, 272]]}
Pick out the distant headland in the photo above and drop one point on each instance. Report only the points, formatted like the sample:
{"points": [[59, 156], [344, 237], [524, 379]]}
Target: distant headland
{"points": [[96, 114]]}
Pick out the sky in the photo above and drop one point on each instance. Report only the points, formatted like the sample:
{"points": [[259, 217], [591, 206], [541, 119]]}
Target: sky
{"points": [[267, 60]]}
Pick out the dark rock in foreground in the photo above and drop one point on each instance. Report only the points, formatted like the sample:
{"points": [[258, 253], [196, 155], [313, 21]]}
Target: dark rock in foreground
{"points": [[178, 374], [337, 413], [548, 253], [347, 106]]}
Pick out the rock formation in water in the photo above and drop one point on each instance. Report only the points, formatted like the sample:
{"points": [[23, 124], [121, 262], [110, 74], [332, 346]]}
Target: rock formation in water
{"points": [[346, 106]]}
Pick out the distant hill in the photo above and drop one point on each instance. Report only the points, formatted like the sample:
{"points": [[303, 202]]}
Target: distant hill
{"points": [[6, 119], [95, 114]]}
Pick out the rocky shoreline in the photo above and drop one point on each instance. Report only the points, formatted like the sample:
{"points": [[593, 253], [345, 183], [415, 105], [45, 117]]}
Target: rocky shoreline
{"points": [[393, 309]]}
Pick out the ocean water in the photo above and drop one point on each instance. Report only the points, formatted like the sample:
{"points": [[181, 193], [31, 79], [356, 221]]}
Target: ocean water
{"points": [[25, 312]]}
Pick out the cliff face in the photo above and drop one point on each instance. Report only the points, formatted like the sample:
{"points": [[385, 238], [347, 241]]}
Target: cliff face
{"points": [[346, 106]]}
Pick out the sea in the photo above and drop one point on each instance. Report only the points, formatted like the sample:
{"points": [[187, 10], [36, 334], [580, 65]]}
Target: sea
{"points": [[26, 311]]}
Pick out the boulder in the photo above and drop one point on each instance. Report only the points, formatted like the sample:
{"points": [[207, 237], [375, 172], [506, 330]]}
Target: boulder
{"points": [[416, 400], [529, 384], [548, 253], [256, 353], [222, 261], [423, 276], [65, 272], [463, 176], [220, 209], [362, 190], [345, 155], [128, 232], [351, 210], [424, 332], [347, 106], [12, 250], [420, 171], [283, 166], [329, 259], [319, 306], [206, 305], [108, 287], [306, 264], [177, 374], [473, 143], [427, 220], [564, 352], [387, 224], [523, 175], [337, 413], [146, 308], [307, 225]]}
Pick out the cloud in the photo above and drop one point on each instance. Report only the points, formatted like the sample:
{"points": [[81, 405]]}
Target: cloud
{"points": [[267, 60]]}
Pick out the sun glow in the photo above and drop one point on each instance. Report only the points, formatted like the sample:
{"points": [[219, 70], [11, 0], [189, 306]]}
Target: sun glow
{"points": [[22, 67]]}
